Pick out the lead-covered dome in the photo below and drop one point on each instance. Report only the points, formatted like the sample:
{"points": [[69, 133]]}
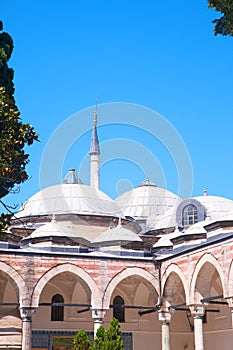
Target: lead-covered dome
{"points": [[216, 207], [53, 229], [69, 198], [146, 200], [213, 207], [116, 236]]}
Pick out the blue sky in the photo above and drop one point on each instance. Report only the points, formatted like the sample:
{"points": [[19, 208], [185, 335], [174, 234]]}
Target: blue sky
{"points": [[156, 54]]}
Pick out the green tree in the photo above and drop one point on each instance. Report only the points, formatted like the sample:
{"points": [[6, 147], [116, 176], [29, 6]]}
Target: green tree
{"points": [[81, 341], [6, 73], [14, 134], [108, 339], [224, 24], [100, 339], [114, 336], [105, 339]]}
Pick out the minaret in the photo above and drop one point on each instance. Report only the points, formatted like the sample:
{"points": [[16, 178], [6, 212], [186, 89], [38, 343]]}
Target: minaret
{"points": [[94, 156]]}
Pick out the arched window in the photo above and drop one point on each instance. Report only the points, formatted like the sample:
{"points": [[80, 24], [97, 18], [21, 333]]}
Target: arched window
{"points": [[189, 211], [118, 309], [57, 311], [190, 215]]}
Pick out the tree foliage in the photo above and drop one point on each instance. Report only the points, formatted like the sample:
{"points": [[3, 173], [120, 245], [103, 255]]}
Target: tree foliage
{"points": [[113, 336], [6, 73], [106, 339], [100, 339], [224, 24], [14, 134], [81, 341]]}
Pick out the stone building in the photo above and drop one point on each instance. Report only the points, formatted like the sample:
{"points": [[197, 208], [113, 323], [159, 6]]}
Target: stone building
{"points": [[73, 258]]}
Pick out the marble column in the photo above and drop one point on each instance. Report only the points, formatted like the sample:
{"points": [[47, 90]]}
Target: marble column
{"points": [[165, 318], [98, 317], [198, 312], [26, 316], [231, 317], [230, 304]]}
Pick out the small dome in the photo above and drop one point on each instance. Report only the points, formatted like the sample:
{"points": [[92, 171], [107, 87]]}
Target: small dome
{"points": [[216, 207], [116, 236], [146, 200], [53, 229], [163, 242], [69, 199]]}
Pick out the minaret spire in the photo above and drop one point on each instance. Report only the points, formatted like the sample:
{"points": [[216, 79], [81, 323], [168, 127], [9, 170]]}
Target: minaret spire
{"points": [[94, 154], [95, 114]]}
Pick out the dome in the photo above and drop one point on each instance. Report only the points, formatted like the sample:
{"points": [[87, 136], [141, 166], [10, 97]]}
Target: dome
{"points": [[167, 219], [146, 200], [69, 198], [163, 242], [56, 229], [216, 207], [228, 217], [116, 236], [53, 229]]}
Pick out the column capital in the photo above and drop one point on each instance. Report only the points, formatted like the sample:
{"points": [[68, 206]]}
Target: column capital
{"points": [[98, 317], [230, 303], [98, 314], [26, 313], [164, 316], [197, 310]]}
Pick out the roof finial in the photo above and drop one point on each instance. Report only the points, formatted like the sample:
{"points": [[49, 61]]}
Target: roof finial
{"points": [[205, 192]]}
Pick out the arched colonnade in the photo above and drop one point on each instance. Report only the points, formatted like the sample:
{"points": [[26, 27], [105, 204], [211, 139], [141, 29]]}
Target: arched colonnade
{"points": [[193, 304]]}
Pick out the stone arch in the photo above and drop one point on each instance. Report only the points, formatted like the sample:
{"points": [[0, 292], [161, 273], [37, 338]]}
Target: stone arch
{"points": [[18, 282], [95, 294], [179, 276], [131, 271], [205, 259]]}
